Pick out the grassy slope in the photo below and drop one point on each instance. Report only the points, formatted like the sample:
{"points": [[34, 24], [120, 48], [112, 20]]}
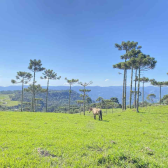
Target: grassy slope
{"points": [[6, 98], [122, 139]]}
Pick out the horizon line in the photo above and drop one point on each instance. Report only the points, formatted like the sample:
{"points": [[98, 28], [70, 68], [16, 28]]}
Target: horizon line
{"points": [[76, 86]]}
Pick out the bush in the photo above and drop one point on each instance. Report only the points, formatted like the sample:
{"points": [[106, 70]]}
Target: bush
{"points": [[76, 111]]}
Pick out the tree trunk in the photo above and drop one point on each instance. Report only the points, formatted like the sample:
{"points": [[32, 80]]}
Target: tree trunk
{"points": [[84, 101], [131, 87], [137, 108], [123, 91], [143, 94], [34, 92], [22, 97], [160, 93], [32, 104], [47, 96], [70, 98], [80, 108], [125, 96], [35, 104], [135, 90]]}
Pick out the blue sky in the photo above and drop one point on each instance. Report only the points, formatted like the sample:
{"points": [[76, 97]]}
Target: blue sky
{"points": [[76, 38]]}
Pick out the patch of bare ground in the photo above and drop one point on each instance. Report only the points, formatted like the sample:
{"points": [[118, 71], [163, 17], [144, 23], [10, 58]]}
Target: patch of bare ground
{"points": [[44, 153]]}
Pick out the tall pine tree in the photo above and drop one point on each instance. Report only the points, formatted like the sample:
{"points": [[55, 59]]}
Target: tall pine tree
{"points": [[48, 75], [84, 91], [71, 82], [23, 78], [127, 46], [35, 66]]}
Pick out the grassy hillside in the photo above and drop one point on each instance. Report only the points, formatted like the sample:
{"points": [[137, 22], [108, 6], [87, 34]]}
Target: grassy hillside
{"points": [[6, 101], [122, 139]]}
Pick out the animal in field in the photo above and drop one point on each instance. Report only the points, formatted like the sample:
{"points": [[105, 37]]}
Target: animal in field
{"points": [[96, 111]]}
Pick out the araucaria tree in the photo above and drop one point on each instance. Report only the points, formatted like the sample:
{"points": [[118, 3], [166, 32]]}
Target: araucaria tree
{"points": [[35, 66], [124, 66], [71, 82], [89, 101], [84, 91], [132, 63], [48, 75], [79, 102], [99, 99], [115, 100], [160, 84], [143, 62], [144, 80], [127, 46], [135, 89], [23, 78], [151, 97], [34, 89]]}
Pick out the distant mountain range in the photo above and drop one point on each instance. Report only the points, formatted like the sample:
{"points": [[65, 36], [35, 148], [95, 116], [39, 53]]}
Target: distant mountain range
{"points": [[105, 92]]}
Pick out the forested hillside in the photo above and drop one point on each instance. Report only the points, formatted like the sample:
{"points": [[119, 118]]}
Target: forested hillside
{"points": [[97, 91], [56, 99]]}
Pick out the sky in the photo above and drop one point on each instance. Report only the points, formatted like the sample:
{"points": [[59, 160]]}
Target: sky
{"points": [[76, 38]]}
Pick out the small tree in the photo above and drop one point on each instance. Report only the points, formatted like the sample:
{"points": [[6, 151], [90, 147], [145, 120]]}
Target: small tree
{"points": [[49, 75], [112, 103], [89, 101], [23, 78], [151, 97], [71, 82], [115, 100], [165, 99], [35, 66], [36, 102], [84, 91], [34, 89], [144, 80], [160, 84], [99, 99], [80, 102]]}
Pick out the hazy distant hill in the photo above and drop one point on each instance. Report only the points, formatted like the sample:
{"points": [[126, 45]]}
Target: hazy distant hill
{"points": [[105, 92]]}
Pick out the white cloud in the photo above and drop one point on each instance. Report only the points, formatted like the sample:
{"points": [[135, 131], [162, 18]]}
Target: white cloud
{"points": [[66, 84], [106, 80]]}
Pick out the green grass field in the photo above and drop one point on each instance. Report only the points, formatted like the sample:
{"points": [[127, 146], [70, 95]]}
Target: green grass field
{"points": [[5, 101], [122, 139]]}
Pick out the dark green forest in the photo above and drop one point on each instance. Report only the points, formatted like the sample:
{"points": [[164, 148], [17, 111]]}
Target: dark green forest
{"points": [[56, 100]]}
